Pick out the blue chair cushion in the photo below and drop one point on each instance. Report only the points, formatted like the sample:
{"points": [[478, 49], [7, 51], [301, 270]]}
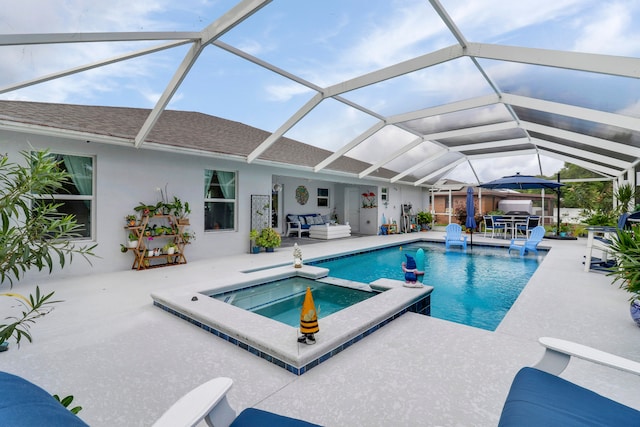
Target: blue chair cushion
{"points": [[25, 404], [252, 417], [538, 398]]}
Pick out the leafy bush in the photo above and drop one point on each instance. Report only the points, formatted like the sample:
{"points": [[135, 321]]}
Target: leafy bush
{"points": [[33, 232]]}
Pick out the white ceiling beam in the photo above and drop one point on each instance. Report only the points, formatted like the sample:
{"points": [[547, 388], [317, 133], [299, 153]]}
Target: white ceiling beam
{"points": [[349, 146], [419, 165], [310, 105], [526, 152], [440, 135], [450, 23], [90, 66], [391, 157], [503, 143], [582, 113], [582, 153], [55, 38], [582, 163], [440, 171], [409, 66], [595, 63], [233, 17], [466, 104], [582, 139]]}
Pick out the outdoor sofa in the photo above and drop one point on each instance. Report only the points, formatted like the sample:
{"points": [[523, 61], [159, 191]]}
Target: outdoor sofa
{"points": [[301, 223]]}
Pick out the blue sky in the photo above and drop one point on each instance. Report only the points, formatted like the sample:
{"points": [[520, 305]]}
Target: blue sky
{"points": [[325, 42]]}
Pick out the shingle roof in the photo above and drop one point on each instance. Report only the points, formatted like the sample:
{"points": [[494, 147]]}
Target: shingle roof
{"points": [[180, 129]]}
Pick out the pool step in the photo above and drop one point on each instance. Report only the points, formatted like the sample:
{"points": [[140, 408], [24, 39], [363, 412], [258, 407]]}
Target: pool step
{"points": [[346, 283]]}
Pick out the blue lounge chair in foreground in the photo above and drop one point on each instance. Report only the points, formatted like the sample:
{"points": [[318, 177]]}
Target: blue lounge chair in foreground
{"points": [[531, 244], [539, 397], [454, 236]]}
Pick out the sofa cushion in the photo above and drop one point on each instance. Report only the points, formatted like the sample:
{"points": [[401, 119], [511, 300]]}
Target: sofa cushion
{"points": [[25, 404], [292, 218], [252, 417], [313, 219], [537, 398]]}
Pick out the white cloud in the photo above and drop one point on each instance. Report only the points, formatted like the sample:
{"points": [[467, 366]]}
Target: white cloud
{"points": [[609, 30], [284, 92]]}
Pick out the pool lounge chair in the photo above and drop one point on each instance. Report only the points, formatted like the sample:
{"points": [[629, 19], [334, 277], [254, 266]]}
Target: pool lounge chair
{"points": [[539, 397], [528, 245], [454, 236]]}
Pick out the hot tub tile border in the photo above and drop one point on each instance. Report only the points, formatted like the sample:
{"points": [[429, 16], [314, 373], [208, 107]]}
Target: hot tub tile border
{"points": [[422, 306]]}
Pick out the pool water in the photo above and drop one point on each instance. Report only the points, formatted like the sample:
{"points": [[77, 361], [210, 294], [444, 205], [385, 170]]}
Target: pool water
{"points": [[476, 287], [282, 300]]}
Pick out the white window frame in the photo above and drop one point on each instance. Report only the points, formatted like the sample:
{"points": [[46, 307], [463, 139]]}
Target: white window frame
{"points": [[74, 197]]}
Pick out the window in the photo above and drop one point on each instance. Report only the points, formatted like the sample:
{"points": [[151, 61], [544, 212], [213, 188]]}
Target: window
{"points": [[219, 200], [323, 197], [76, 195], [384, 194]]}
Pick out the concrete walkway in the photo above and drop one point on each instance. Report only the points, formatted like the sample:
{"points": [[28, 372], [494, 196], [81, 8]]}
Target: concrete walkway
{"points": [[126, 361]]}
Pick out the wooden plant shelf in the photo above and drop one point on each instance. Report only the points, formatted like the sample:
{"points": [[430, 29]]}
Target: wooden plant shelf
{"points": [[141, 260]]}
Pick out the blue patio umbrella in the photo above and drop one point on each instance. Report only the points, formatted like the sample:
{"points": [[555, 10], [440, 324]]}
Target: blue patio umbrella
{"points": [[526, 182], [470, 223], [522, 182]]}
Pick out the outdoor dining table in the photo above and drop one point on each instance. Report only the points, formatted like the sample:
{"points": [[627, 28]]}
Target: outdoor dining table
{"points": [[510, 223]]}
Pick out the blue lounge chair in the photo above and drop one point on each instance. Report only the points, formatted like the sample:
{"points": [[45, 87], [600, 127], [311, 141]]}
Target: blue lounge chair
{"points": [[539, 397], [454, 236], [531, 244]]}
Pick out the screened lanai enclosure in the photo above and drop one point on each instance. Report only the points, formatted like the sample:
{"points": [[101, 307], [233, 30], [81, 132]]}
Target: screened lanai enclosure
{"points": [[422, 90]]}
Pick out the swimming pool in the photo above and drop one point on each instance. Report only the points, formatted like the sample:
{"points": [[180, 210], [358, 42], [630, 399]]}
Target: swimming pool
{"points": [[476, 287], [281, 300]]}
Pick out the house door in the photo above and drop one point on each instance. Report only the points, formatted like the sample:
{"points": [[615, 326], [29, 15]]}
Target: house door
{"points": [[276, 207], [352, 208]]}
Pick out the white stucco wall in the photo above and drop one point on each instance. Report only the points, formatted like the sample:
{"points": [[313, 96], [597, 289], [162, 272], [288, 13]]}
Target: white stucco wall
{"points": [[126, 176]]}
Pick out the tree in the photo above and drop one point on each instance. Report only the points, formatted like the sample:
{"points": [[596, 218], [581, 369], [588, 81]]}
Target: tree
{"points": [[33, 234]]}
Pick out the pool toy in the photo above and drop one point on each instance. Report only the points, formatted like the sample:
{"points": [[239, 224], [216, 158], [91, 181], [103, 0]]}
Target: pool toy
{"points": [[420, 260], [410, 269], [308, 320]]}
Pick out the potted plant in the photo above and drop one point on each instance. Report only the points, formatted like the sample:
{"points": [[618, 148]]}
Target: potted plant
{"points": [[131, 220], [188, 236], [132, 240], [625, 245], [180, 211], [424, 219], [253, 237], [144, 209], [169, 248], [269, 239]]}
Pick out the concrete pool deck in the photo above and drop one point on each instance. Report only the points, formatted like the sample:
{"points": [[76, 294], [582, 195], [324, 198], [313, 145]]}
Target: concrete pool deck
{"points": [[127, 361]]}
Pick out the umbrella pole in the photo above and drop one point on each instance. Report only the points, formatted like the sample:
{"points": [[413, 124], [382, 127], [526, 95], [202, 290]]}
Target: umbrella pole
{"points": [[558, 226]]}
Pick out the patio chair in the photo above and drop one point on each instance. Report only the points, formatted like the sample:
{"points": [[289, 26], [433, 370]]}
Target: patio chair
{"points": [[600, 239], [526, 227], [498, 227], [531, 244], [539, 397], [489, 225], [454, 236]]}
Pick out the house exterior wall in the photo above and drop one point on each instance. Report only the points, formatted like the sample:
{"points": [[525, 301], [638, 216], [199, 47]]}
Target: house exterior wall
{"points": [[125, 177]]}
